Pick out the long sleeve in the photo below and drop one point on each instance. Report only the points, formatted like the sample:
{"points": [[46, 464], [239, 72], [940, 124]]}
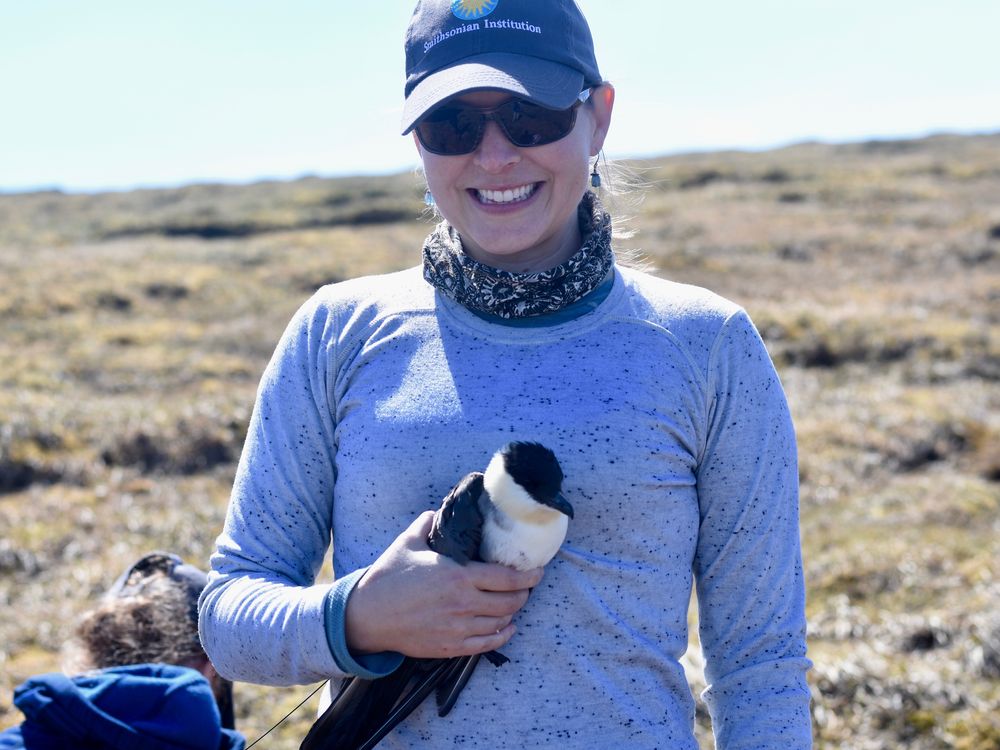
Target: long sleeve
{"points": [[748, 566], [389, 393], [262, 615]]}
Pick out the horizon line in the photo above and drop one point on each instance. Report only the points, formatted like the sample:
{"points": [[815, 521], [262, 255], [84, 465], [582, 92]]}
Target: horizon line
{"points": [[62, 189]]}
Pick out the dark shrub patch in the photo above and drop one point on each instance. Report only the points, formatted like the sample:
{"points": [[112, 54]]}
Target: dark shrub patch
{"points": [[312, 282], [139, 450], [113, 301], [190, 447], [795, 252], [776, 176], [926, 639], [16, 475], [167, 291], [217, 231], [701, 178], [14, 560], [378, 216], [792, 197], [203, 452]]}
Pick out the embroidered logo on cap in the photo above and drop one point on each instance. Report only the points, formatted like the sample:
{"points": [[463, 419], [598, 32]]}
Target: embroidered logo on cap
{"points": [[469, 10]]}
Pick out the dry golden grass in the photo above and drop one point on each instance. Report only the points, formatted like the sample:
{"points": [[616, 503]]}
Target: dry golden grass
{"points": [[135, 327]]}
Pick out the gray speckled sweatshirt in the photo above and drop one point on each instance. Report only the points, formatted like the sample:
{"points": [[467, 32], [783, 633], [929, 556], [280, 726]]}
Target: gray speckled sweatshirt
{"points": [[673, 432]]}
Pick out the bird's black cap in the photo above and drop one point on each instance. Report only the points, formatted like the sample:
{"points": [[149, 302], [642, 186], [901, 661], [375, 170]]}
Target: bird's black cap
{"points": [[535, 467]]}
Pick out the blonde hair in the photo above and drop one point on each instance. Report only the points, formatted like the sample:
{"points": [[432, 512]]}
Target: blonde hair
{"points": [[621, 192]]}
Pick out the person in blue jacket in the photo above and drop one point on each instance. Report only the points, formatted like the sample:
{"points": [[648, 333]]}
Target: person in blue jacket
{"points": [[141, 678]]}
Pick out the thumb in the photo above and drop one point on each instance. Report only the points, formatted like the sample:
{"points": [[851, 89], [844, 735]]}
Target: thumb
{"points": [[419, 529]]}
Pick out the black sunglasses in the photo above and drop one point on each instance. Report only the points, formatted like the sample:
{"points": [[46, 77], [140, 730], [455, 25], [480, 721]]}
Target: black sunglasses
{"points": [[455, 129]]}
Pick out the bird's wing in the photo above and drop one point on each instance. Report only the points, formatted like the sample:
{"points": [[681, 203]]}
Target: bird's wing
{"points": [[413, 697], [341, 723], [453, 681], [365, 711], [457, 529]]}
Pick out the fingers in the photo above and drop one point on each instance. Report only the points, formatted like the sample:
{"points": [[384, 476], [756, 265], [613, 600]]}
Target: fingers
{"points": [[491, 577], [485, 626], [497, 604], [482, 643]]}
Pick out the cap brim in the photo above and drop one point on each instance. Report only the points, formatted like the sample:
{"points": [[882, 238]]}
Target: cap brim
{"points": [[541, 81]]}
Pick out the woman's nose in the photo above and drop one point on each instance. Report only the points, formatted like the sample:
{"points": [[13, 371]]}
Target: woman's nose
{"points": [[495, 152]]}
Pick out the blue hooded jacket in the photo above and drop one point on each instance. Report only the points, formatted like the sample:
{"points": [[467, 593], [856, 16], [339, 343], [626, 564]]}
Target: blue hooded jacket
{"points": [[143, 707]]}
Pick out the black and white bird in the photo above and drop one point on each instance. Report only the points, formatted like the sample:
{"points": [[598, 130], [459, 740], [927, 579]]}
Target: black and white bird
{"points": [[513, 514]]}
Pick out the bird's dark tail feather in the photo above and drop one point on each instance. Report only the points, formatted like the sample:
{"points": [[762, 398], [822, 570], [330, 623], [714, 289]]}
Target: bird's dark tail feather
{"points": [[407, 703], [342, 719], [496, 658], [365, 711], [455, 679], [458, 675]]}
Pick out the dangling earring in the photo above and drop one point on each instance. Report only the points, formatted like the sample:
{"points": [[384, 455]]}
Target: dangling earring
{"points": [[428, 198], [595, 176]]}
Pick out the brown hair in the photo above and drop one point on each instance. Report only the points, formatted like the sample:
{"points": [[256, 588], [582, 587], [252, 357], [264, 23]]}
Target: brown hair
{"points": [[152, 626]]}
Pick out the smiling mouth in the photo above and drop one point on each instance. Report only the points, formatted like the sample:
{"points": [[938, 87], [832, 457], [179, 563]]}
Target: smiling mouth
{"points": [[513, 195]]}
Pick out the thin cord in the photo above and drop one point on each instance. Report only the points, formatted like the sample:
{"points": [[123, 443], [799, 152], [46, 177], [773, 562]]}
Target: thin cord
{"points": [[322, 684]]}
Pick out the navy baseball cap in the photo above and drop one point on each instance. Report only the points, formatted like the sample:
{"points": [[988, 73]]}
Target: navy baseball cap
{"points": [[188, 578], [540, 50]]}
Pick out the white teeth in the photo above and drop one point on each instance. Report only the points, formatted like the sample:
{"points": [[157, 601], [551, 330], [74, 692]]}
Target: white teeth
{"points": [[505, 196]]}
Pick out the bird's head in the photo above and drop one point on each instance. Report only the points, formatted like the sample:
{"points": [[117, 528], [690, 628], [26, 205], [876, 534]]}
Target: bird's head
{"points": [[525, 480]]}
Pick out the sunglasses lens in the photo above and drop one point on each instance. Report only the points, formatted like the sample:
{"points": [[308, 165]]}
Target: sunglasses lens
{"points": [[451, 130], [457, 129], [528, 124]]}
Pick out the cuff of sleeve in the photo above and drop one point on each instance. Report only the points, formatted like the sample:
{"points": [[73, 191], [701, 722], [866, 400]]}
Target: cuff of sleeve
{"points": [[366, 666]]}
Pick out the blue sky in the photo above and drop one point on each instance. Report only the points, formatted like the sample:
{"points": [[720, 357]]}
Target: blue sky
{"points": [[115, 94]]}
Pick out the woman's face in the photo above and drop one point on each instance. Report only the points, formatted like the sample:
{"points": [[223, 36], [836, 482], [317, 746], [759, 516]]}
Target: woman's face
{"points": [[533, 227]]}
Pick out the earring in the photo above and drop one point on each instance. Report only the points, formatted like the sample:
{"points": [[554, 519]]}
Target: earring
{"points": [[428, 198], [595, 177]]}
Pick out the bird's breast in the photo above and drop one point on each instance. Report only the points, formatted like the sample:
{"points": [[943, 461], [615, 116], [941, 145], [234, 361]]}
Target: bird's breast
{"points": [[519, 544]]}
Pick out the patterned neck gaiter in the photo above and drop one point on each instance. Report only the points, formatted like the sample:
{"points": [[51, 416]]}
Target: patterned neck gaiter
{"points": [[507, 294]]}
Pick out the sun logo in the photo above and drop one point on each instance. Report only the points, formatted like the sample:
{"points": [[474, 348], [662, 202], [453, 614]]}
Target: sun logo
{"points": [[469, 10]]}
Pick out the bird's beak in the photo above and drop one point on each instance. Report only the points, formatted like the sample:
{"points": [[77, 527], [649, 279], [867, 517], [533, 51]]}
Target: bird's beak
{"points": [[561, 504]]}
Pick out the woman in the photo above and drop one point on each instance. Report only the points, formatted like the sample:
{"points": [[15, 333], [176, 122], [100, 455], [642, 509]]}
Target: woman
{"points": [[658, 398]]}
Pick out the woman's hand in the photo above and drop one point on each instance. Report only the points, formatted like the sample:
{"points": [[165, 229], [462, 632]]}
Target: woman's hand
{"points": [[419, 603]]}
